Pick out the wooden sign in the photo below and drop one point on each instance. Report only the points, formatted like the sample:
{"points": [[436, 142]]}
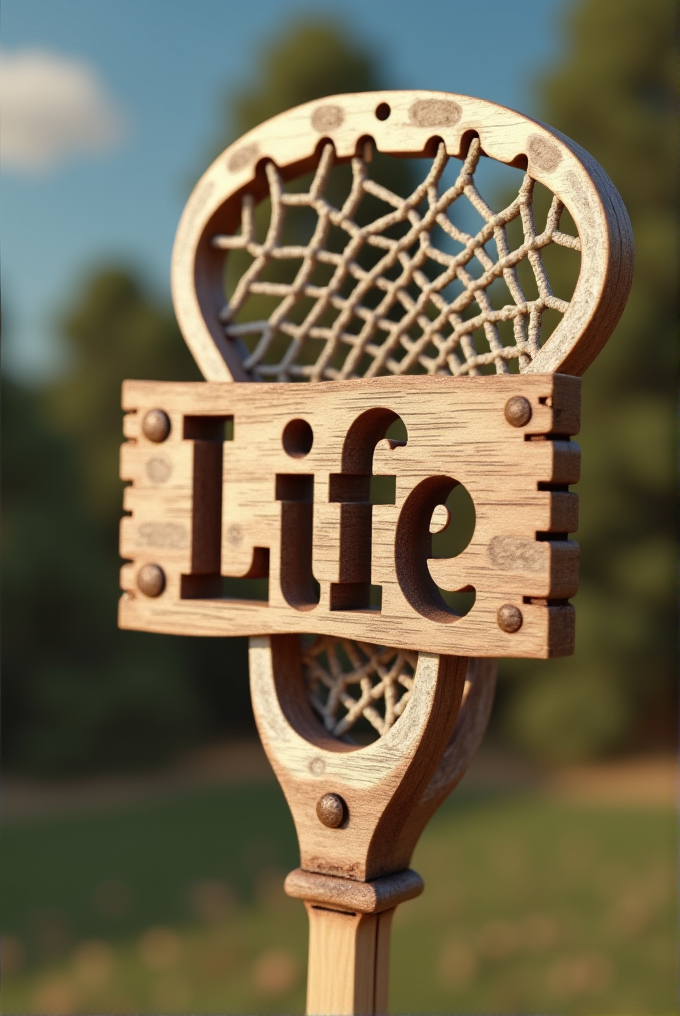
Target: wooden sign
{"points": [[274, 481]]}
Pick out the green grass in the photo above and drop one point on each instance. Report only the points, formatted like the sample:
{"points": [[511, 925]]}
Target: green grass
{"points": [[176, 906]]}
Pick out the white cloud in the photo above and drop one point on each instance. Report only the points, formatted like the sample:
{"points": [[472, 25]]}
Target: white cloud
{"points": [[53, 108]]}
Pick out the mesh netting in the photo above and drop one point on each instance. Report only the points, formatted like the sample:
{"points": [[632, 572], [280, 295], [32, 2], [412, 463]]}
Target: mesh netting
{"points": [[347, 681], [409, 291]]}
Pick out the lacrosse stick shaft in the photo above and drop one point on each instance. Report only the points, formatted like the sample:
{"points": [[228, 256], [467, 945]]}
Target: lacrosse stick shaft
{"points": [[348, 964], [349, 938]]}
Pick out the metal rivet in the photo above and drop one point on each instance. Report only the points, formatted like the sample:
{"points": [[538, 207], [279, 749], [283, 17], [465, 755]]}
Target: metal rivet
{"points": [[151, 580], [518, 411], [509, 618], [156, 425], [331, 810]]}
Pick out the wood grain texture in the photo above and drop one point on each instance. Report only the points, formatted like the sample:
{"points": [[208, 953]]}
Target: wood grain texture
{"points": [[350, 917], [202, 508], [416, 118], [348, 962]]}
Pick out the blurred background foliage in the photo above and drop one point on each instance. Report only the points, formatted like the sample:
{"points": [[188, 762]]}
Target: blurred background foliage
{"points": [[613, 93], [81, 695]]}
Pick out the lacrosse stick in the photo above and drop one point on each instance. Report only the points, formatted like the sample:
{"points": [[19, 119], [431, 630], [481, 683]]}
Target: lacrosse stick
{"points": [[413, 319]]}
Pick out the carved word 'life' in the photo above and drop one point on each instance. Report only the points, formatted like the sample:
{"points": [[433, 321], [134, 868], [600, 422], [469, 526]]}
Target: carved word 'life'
{"points": [[265, 509]]}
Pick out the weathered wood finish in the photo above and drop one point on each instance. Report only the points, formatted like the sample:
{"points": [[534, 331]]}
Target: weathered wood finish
{"points": [[202, 509], [471, 723], [350, 900]]}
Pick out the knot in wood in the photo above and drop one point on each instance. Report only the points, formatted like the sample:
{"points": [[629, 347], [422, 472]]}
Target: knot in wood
{"points": [[156, 425], [518, 411], [331, 810]]}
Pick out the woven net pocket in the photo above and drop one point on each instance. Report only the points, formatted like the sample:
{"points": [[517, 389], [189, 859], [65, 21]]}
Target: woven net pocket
{"points": [[404, 290]]}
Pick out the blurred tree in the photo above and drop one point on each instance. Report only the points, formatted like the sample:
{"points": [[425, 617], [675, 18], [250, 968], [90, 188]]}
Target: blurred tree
{"points": [[310, 59], [614, 94], [78, 692], [115, 330]]}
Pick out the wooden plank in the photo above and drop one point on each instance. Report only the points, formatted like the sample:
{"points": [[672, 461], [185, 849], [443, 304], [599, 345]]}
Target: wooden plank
{"points": [[203, 508]]}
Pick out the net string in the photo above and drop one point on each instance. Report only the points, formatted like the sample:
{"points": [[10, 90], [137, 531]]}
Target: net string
{"points": [[348, 680], [446, 342]]}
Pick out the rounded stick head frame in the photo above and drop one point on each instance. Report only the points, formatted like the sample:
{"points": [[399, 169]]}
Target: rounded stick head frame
{"points": [[437, 335]]}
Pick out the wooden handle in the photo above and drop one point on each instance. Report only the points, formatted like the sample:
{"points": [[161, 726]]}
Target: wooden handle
{"points": [[349, 938], [348, 962]]}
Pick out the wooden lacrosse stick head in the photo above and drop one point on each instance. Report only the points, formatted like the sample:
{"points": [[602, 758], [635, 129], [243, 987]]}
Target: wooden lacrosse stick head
{"points": [[403, 123], [393, 330]]}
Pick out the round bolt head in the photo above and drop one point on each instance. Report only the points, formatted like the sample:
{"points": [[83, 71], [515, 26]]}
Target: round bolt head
{"points": [[441, 516], [509, 618], [151, 580], [518, 411], [331, 810], [156, 425]]}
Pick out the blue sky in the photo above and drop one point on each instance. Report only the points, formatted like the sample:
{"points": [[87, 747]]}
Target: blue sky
{"points": [[162, 71]]}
